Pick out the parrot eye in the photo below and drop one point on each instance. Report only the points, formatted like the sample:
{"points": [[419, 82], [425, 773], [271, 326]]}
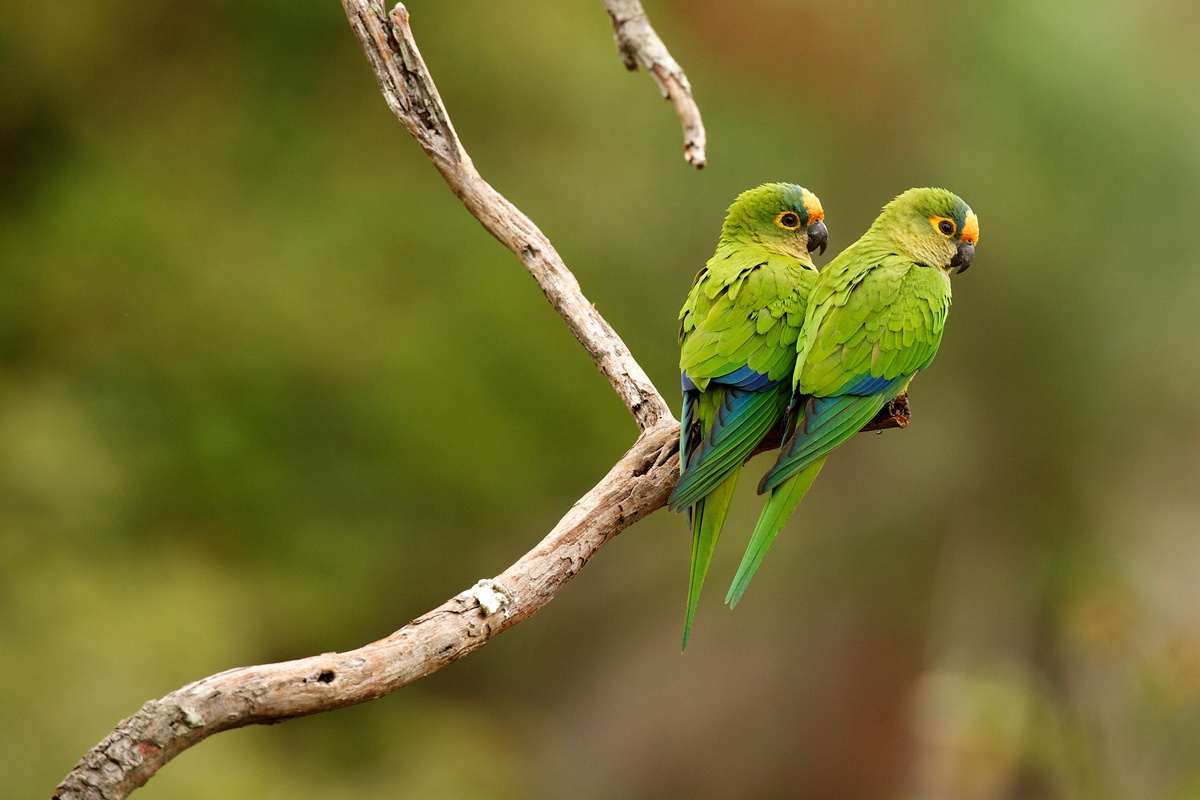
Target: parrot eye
{"points": [[945, 226], [788, 219]]}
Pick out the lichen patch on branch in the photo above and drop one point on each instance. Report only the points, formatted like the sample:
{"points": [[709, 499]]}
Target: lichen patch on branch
{"points": [[490, 596]]}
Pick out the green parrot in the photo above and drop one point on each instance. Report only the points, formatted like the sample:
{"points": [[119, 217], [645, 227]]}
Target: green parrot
{"points": [[874, 320], [737, 333]]}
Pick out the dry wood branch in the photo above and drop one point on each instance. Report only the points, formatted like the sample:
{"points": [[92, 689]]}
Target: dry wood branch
{"points": [[636, 486], [409, 91], [896, 414], [639, 44], [140, 745]]}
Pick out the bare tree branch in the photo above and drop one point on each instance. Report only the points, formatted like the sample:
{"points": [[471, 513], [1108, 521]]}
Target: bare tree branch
{"points": [[639, 44], [142, 744], [637, 485], [409, 91]]}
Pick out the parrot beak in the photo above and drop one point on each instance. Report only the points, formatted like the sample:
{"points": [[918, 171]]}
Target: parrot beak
{"points": [[963, 258], [818, 236]]}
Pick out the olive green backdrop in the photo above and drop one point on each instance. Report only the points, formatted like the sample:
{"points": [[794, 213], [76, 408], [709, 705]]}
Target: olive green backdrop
{"points": [[267, 390]]}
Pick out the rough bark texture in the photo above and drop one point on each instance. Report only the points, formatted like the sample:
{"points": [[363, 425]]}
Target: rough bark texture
{"points": [[639, 44], [409, 91], [140, 745], [637, 485]]}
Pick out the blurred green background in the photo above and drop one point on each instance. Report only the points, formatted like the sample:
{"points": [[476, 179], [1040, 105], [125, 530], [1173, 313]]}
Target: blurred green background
{"points": [[267, 390]]}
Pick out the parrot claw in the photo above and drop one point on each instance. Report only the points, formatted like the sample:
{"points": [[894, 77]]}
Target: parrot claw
{"points": [[895, 414]]}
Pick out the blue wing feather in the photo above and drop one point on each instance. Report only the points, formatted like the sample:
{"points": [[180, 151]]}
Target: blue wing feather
{"points": [[828, 422], [745, 378], [867, 384], [742, 420]]}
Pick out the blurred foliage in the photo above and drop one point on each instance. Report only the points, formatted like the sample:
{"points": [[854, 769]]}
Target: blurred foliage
{"points": [[267, 390]]}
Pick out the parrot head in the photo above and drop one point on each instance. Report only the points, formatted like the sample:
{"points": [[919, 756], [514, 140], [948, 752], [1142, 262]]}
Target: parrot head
{"points": [[933, 227], [781, 217]]}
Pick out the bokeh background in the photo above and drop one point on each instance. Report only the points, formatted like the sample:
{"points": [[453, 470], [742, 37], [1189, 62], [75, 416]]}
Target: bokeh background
{"points": [[267, 390]]}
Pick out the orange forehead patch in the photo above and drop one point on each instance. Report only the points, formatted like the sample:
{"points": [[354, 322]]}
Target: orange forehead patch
{"points": [[970, 231], [815, 212]]}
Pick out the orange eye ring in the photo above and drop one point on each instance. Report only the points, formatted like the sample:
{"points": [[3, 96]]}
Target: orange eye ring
{"points": [[944, 225], [789, 220]]}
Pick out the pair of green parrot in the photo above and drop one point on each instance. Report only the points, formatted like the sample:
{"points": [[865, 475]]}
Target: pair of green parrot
{"points": [[773, 347]]}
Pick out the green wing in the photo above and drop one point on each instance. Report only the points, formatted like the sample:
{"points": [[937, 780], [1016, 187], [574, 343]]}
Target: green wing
{"points": [[863, 344], [738, 331], [744, 311]]}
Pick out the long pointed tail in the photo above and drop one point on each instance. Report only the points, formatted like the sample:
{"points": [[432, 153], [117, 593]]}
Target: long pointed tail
{"points": [[780, 505], [708, 517]]}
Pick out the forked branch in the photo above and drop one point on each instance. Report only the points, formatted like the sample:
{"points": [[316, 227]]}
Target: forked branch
{"points": [[637, 485]]}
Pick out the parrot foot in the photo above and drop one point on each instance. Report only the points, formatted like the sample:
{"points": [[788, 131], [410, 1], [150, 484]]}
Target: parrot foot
{"points": [[490, 596], [895, 414]]}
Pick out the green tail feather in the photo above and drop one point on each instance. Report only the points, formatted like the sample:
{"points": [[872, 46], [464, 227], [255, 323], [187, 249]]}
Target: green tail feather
{"points": [[708, 517], [780, 505]]}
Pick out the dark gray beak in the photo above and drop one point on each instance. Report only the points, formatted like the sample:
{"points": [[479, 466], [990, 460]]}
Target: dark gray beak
{"points": [[818, 236], [963, 258]]}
